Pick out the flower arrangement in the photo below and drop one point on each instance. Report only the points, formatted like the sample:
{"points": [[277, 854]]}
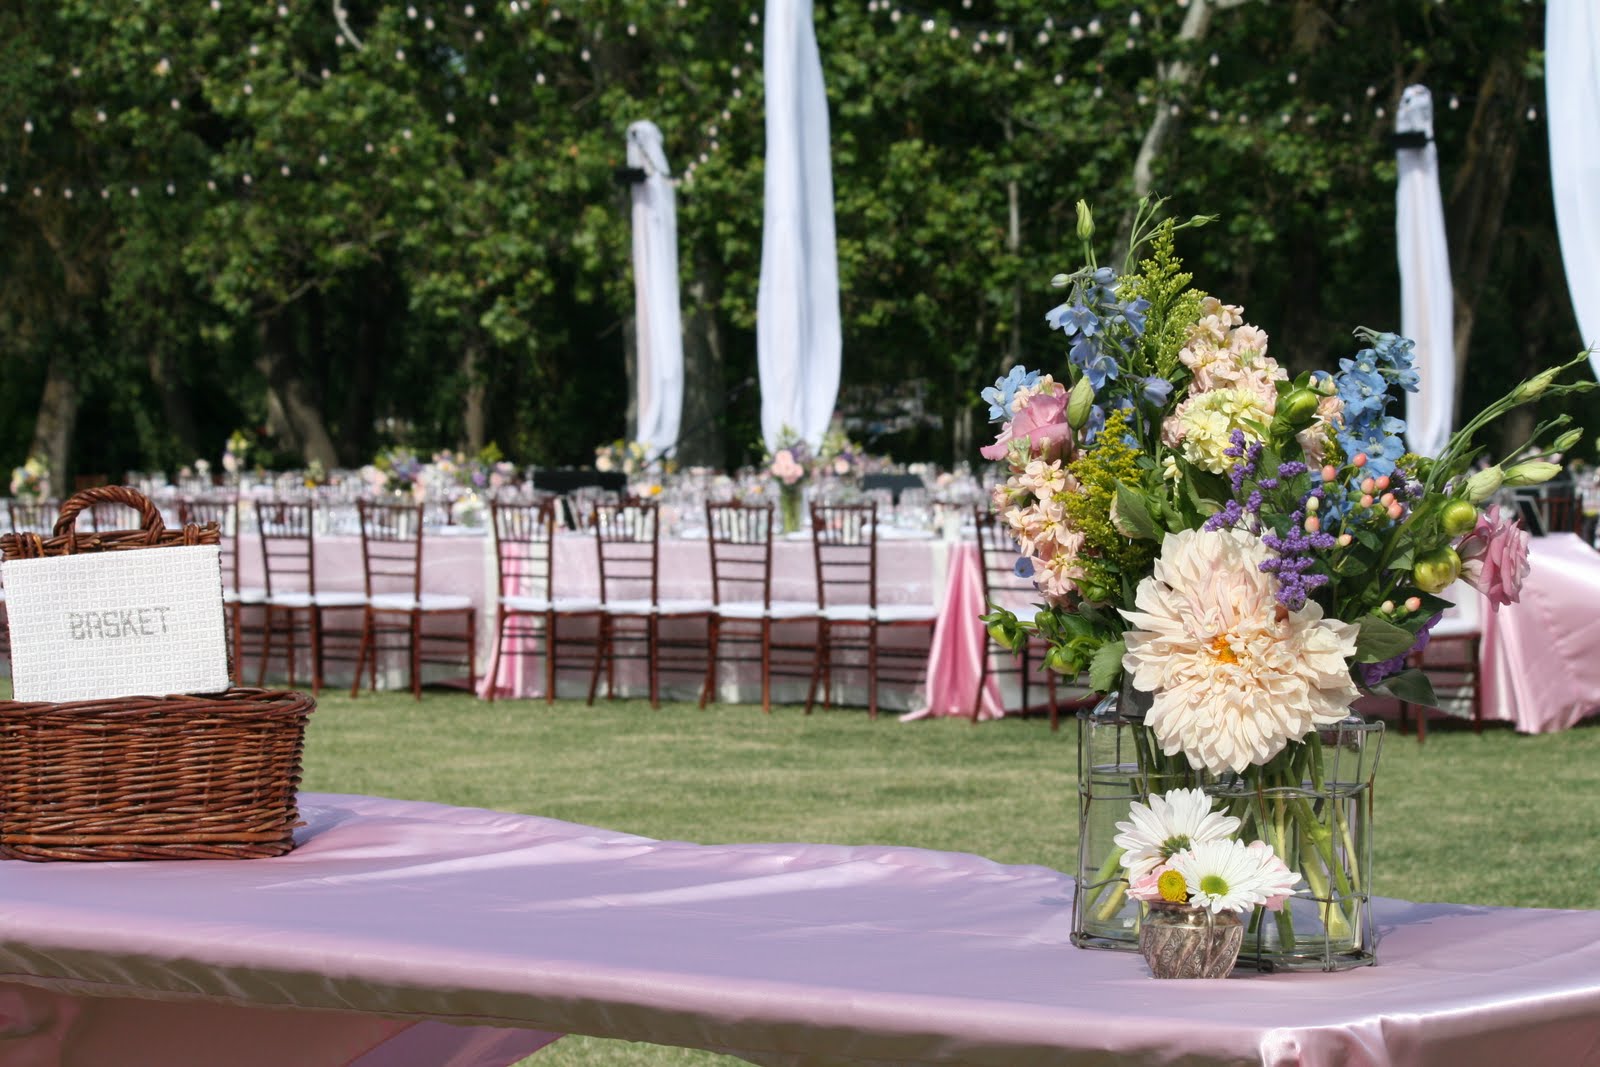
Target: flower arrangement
{"points": [[236, 453], [1245, 550], [628, 457], [395, 470], [791, 465], [1201, 522], [1178, 850], [31, 481]]}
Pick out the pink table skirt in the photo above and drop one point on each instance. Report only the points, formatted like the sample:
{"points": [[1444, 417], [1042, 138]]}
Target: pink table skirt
{"points": [[394, 917], [1541, 670]]}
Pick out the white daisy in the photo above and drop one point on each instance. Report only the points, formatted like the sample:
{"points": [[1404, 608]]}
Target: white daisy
{"points": [[1173, 821], [1236, 677], [1233, 876]]}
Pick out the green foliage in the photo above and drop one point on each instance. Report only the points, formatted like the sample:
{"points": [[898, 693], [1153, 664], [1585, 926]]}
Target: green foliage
{"points": [[434, 216]]}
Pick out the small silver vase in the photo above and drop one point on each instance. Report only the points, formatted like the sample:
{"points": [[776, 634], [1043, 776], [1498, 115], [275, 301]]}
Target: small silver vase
{"points": [[1182, 941]]}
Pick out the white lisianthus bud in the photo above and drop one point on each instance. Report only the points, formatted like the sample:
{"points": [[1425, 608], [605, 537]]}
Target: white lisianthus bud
{"points": [[1485, 484], [1534, 387], [1080, 403], [1567, 441], [1533, 472], [1085, 221]]}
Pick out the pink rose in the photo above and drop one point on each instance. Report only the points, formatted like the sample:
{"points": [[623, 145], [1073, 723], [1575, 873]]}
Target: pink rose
{"points": [[1042, 422], [1494, 558], [1145, 888]]}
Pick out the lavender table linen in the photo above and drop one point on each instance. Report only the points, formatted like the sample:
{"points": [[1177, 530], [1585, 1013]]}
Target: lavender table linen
{"points": [[784, 954]]}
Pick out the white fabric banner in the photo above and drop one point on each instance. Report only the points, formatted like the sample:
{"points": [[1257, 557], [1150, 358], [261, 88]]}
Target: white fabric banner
{"points": [[1572, 106], [655, 289], [1427, 309], [797, 307]]}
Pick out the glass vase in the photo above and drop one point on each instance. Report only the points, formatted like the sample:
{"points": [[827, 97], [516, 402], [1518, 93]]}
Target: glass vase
{"points": [[1313, 804], [791, 499], [1118, 763]]}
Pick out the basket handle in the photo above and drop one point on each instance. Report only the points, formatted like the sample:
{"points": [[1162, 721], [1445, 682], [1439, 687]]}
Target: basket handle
{"points": [[149, 514]]}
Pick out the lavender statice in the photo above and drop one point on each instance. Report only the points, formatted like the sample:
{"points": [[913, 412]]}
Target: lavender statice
{"points": [[1295, 549]]}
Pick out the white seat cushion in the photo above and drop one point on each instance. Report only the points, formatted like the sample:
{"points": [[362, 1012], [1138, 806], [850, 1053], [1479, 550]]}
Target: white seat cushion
{"points": [[907, 613], [889, 613], [782, 609], [248, 595], [301, 599], [1449, 626], [630, 607], [430, 602], [684, 607], [572, 605]]}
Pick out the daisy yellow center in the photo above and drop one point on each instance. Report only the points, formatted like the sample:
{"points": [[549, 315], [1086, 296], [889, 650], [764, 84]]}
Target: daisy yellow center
{"points": [[1214, 885], [1173, 887], [1221, 649]]}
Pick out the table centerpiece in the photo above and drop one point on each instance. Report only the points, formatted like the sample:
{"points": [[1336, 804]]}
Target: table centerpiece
{"points": [[1234, 555]]}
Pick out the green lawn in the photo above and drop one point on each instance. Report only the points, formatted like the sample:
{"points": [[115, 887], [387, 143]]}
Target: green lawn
{"points": [[1495, 819]]}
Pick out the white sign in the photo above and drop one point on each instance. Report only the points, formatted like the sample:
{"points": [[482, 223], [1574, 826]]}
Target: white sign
{"points": [[144, 622]]}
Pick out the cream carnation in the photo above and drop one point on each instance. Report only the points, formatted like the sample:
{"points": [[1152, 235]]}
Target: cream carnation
{"points": [[1233, 681], [1204, 426]]}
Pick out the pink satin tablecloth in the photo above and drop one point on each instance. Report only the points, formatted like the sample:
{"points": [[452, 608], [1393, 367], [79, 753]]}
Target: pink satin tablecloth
{"points": [[512, 928], [1541, 656]]}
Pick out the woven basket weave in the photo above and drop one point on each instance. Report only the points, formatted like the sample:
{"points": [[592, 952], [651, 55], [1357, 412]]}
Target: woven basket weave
{"points": [[146, 777]]}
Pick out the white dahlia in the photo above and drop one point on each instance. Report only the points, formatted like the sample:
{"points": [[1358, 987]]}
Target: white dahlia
{"points": [[1233, 876], [1235, 676], [1172, 822]]}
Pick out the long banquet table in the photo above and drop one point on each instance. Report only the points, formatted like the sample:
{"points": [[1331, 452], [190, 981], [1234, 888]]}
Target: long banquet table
{"points": [[405, 934]]}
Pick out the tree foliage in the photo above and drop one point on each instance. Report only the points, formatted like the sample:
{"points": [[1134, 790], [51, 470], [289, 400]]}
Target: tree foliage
{"points": [[411, 227]]}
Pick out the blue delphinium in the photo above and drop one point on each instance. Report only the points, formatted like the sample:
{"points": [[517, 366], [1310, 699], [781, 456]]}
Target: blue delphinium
{"points": [[1100, 326], [1363, 387], [1004, 390]]}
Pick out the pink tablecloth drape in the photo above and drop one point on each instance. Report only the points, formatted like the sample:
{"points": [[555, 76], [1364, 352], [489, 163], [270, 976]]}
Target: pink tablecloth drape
{"points": [[960, 641], [393, 912], [1540, 668]]}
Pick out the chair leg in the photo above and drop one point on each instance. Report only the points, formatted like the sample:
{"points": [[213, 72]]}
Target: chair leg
{"points": [[266, 646], [766, 666], [652, 662], [819, 659], [415, 648], [315, 617], [472, 650], [1477, 688], [713, 635], [874, 635], [494, 655], [983, 680], [551, 643], [599, 648], [362, 650]]}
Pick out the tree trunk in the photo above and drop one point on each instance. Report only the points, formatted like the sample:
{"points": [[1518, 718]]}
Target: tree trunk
{"points": [[705, 388], [475, 398], [1478, 196], [54, 425], [175, 404], [293, 411]]}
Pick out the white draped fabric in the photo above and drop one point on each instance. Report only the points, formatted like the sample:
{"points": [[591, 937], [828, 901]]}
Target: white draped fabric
{"points": [[1572, 105], [797, 307], [1426, 302], [659, 374]]}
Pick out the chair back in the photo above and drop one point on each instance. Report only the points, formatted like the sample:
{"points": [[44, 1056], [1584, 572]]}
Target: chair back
{"points": [[997, 556], [35, 516], [740, 538], [224, 511], [627, 540], [844, 540], [524, 545], [105, 516], [1562, 512], [580, 504], [288, 551], [391, 546]]}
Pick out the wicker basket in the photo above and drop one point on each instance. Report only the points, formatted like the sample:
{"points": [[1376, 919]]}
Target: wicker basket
{"points": [[146, 777]]}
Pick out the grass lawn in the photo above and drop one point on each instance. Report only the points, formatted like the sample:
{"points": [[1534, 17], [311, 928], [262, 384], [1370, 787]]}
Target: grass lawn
{"points": [[1465, 818]]}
